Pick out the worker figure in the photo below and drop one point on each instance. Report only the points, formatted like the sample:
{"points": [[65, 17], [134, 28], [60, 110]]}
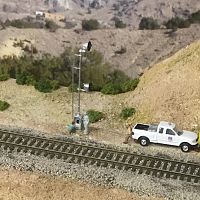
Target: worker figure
{"points": [[199, 139], [85, 123], [71, 127], [129, 134]]}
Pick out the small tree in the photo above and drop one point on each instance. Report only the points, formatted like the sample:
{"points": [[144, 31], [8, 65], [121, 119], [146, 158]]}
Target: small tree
{"points": [[148, 23], [51, 25], [195, 17], [46, 85], [3, 105], [177, 22], [119, 23], [21, 78], [90, 25], [4, 77], [127, 112], [130, 85], [94, 116], [111, 88]]}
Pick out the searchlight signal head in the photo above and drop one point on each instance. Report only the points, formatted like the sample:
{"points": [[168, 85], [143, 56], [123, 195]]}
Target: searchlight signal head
{"points": [[87, 46]]}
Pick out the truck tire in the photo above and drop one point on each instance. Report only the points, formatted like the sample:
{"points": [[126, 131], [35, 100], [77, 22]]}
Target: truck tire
{"points": [[144, 141], [185, 147]]}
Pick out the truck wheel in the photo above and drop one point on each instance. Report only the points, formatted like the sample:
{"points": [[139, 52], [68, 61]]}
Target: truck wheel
{"points": [[144, 141], [185, 147]]}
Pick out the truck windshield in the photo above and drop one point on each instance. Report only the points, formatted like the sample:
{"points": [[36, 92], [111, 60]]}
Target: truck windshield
{"points": [[179, 132]]}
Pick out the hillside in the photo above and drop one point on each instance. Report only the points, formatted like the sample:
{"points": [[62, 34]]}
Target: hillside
{"points": [[130, 11], [143, 48], [169, 90]]}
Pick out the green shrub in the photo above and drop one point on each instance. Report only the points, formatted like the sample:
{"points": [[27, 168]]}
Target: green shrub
{"points": [[91, 24], [127, 112], [24, 23], [117, 76], [30, 80], [3, 105], [46, 85], [4, 77], [130, 85], [95, 87], [148, 23], [94, 116], [111, 88], [73, 88], [195, 17], [177, 22], [119, 23], [51, 25], [21, 78], [55, 85]]}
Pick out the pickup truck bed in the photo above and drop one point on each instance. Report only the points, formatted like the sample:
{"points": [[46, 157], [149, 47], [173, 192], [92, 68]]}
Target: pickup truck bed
{"points": [[146, 127]]}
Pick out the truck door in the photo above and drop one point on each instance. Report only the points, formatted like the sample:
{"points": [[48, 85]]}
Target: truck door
{"points": [[161, 136], [171, 137]]}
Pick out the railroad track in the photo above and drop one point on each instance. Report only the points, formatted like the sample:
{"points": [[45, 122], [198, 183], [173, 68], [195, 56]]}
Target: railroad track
{"points": [[74, 152]]}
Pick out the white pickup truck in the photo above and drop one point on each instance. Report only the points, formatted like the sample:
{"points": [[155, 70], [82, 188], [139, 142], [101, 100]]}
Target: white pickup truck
{"points": [[164, 133]]}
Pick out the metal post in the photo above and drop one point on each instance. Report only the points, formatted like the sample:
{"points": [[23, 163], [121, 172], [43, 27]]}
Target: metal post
{"points": [[73, 91], [79, 84]]}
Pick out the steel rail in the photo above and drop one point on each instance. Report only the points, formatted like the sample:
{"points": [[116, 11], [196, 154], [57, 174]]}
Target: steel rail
{"points": [[154, 167], [102, 160], [98, 148]]}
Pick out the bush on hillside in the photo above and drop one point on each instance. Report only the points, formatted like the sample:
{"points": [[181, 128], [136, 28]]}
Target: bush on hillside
{"points": [[119, 23], [94, 116], [95, 87], [4, 77], [3, 105], [51, 25], [28, 70], [73, 88], [21, 78], [130, 85], [177, 22], [89, 25], [195, 17], [148, 23], [23, 23], [46, 85], [111, 88], [127, 112]]}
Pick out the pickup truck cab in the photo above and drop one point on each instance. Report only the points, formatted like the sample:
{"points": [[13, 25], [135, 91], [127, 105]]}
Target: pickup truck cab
{"points": [[164, 133]]}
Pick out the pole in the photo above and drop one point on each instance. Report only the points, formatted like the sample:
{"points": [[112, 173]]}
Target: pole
{"points": [[79, 84], [73, 91]]}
